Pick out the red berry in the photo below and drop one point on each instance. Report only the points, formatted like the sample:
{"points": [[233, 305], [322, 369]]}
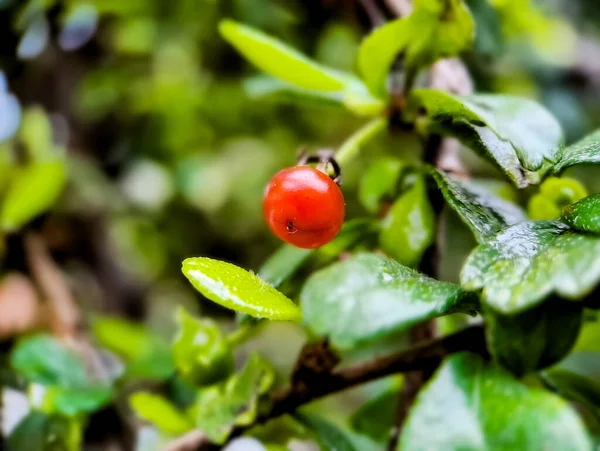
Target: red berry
{"points": [[304, 207]]}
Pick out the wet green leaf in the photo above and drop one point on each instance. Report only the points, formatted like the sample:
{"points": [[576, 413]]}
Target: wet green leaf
{"points": [[201, 353], [524, 264], [432, 31], [160, 412], [483, 212], [39, 431], [328, 434], [219, 408], [379, 183], [408, 229], [534, 339], [518, 135], [475, 405], [585, 151], [33, 190], [77, 400], [369, 296], [584, 215], [237, 289], [575, 387]]}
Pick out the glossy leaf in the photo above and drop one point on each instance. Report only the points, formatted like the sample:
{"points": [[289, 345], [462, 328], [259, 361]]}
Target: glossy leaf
{"points": [[408, 229], [160, 412], [575, 387], [584, 215], [432, 31], [39, 431], [475, 405], [239, 290], [277, 59], [219, 408], [44, 360], [518, 135], [379, 183], [33, 190], [369, 296], [534, 339], [201, 353], [77, 400], [524, 264], [586, 151], [483, 212], [376, 417], [327, 434]]}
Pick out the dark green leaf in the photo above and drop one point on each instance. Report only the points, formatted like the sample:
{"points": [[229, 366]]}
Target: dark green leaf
{"points": [[74, 401], [328, 434], [219, 408], [575, 387], [586, 151], [44, 360], [408, 229], [283, 263], [484, 213], [476, 406], [237, 289], [39, 431], [201, 353], [518, 135], [369, 296], [526, 263], [160, 412], [376, 417], [534, 339], [584, 215], [379, 182]]}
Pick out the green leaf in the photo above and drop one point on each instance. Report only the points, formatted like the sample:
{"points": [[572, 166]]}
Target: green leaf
{"points": [[575, 387], [219, 408], [160, 412], [283, 263], [328, 434], [534, 339], [483, 212], [73, 401], [237, 289], [201, 353], [277, 59], [586, 151], [518, 135], [379, 183], [475, 406], [526, 263], [39, 431], [376, 417], [434, 30], [408, 229], [36, 134], [369, 296], [584, 215], [44, 360], [33, 190]]}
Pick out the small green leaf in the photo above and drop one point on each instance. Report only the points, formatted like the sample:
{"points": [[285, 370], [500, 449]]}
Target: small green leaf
{"points": [[283, 263], [475, 405], [434, 30], [483, 212], [160, 412], [237, 289], [534, 339], [586, 151], [584, 215], [379, 183], [575, 387], [526, 263], [77, 400], [328, 434], [518, 135], [376, 417], [219, 408], [408, 229], [277, 59], [32, 191], [39, 431], [36, 134], [44, 360], [345, 301], [201, 354]]}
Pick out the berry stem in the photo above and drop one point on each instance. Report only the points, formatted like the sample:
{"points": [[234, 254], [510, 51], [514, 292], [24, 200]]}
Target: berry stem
{"points": [[350, 148]]}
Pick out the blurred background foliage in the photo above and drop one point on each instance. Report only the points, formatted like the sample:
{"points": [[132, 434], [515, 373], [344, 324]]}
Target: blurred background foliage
{"points": [[151, 140]]}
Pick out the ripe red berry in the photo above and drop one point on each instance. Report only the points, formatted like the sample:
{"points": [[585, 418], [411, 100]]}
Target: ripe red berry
{"points": [[304, 207]]}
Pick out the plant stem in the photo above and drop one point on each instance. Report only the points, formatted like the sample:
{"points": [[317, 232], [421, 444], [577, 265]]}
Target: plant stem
{"points": [[350, 148]]}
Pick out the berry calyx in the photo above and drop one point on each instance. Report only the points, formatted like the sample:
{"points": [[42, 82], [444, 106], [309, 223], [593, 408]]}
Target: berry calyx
{"points": [[304, 207]]}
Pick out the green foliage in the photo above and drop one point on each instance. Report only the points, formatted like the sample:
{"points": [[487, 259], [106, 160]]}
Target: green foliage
{"points": [[239, 290], [584, 215], [375, 418], [202, 355], [475, 405], [586, 151], [379, 183], [39, 431], [160, 412], [575, 387], [328, 435], [555, 194], [344, 301]]}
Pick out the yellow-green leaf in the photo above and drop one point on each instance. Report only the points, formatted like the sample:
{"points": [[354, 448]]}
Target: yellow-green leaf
{"points": [[160, 412]]}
